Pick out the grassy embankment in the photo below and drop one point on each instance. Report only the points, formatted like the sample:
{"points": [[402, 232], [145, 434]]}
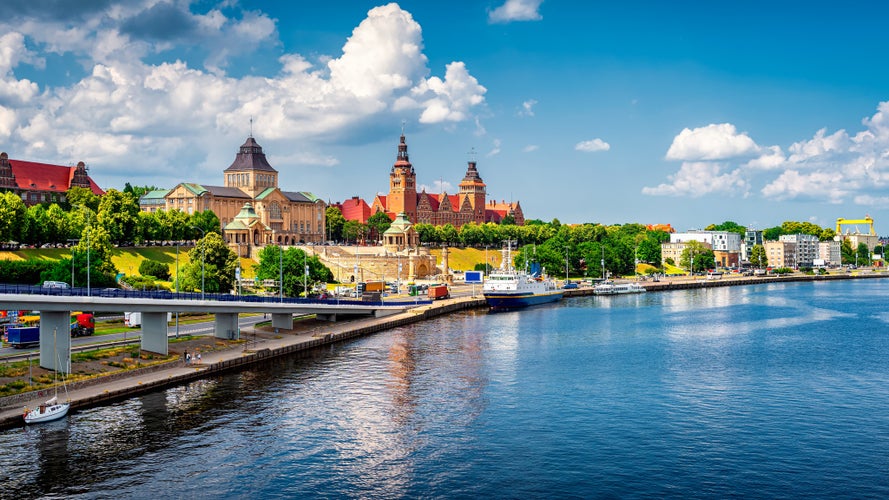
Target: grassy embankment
{"points": [[126, 260]]}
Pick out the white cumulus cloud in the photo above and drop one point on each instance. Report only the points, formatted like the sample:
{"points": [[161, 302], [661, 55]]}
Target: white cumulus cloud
{"points": [[696, 179], [592, 146], [527, 108], [713, 142], [516, 10]]}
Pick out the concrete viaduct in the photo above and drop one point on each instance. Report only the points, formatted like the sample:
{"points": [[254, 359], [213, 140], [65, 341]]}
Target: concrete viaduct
{"points": [[55, 317]]}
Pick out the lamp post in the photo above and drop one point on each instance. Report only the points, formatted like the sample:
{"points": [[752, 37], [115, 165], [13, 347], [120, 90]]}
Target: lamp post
{"points": [[280, 274], [203, 258], [89, 228]]}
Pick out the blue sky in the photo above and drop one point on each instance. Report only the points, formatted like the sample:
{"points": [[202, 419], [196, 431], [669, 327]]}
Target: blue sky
{"points": [[688, 113]]}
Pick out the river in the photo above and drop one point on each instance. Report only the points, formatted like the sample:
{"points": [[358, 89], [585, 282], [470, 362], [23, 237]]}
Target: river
{"points": [[777, 390]]}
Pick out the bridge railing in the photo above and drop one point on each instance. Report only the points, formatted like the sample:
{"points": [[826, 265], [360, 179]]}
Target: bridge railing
{"points": [[168, 295]]}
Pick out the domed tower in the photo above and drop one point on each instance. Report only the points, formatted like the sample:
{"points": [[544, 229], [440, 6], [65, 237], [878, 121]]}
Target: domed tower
{"points": [[473, 187], [402, 185]]}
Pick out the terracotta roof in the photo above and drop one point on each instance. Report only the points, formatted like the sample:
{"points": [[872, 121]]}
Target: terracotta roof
{"points": [[33, 176]]}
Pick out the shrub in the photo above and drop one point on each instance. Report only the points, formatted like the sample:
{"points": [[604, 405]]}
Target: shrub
{"points": [[154, 268]]}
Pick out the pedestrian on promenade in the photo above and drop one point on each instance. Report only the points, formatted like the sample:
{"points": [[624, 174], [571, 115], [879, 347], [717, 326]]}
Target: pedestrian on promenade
{"points": [[199, 358], [185, 356], [187, 359]]}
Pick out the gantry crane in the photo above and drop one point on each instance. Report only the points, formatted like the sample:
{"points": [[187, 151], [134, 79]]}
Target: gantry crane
{"points": [[848, 222]]}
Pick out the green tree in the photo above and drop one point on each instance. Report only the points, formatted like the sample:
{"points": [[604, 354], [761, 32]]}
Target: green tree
{"points": [[352, 230], [649, 251], [703, 256], [507, 220], [335, 222], [449, 234], [729, 226], [427, 233], [846, 252], [138, 191], [206, 220], [758, 258], [292, 264], [772, 233], [83, 197], [119, 215], [377, 224], [219, 264], [154, 268], [93, 251], [35, 229], [13, 217], [863, 255]]}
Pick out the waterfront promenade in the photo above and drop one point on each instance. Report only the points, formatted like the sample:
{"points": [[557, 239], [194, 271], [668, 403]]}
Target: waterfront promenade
{"points": [[103, 390]]}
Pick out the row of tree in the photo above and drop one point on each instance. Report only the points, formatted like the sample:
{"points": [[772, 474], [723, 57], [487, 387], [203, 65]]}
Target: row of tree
{"points": [[116, 212]]}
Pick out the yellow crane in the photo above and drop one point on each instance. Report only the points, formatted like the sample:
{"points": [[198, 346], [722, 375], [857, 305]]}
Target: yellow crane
{"points": [[849, 222]]}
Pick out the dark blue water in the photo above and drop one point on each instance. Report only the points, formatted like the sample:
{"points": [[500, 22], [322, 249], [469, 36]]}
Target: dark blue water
{"points": [[772, 391]]}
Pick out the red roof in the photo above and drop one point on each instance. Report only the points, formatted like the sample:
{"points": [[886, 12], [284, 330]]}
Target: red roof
{"points": [[31, 176]]}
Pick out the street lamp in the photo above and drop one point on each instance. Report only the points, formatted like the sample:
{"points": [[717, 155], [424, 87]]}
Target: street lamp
{"points": [[89, 230], [280, 274], [203, 253]]}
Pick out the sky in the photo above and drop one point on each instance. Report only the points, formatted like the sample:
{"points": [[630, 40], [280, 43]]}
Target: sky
{"points": [[688, 113]]}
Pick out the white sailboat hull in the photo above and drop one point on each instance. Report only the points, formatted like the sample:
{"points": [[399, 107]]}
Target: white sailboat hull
{"points": [[46, 413]]}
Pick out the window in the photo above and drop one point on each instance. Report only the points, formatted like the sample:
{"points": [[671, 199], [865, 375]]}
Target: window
{"points": [[274, 211]]}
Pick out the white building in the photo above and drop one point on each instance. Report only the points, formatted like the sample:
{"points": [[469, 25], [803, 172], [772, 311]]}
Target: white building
{"points": [[830, 253]]}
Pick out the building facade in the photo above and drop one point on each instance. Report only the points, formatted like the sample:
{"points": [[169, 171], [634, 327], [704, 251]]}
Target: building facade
{"points": [[726, 245], [806, 250], [830, 252], [468, 205], [273, 216], [780, 253], [42, 182]]}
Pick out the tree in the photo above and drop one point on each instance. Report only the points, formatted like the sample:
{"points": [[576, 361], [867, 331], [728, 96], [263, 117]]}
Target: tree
{"points": [[335, 221], [729, 226], [449, 234], [119, 215], [848, 255], [93, 251], [862, 255], [758, 258], [352, 230], [219, 264], [427, 233], [138, 191], [292, 264], [703, 257], [206, 220], [13, 217], [83, 197], [772, 233], [649, 251], [377, 224], [154, 268], [507, 220]]}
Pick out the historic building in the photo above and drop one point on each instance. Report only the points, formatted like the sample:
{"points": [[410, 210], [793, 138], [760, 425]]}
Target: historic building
{"points": [[251, 208], [42, 182], [469, 204]]}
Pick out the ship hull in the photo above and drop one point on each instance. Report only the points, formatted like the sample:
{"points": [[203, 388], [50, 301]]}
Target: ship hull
{"points": [[500, 300]]}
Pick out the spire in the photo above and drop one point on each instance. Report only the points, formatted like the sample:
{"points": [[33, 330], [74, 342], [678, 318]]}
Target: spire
{"points": [[402, 160]]}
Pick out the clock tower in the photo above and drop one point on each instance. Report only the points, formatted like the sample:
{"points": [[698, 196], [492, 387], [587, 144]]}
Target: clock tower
{"points": [[402, 185]]}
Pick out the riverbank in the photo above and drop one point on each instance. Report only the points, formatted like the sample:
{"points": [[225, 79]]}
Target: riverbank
{"points": [[255, 348], [264, 344]]}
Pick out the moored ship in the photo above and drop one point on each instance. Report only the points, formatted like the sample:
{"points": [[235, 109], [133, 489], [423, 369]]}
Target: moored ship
{"points": [[508, 288]]}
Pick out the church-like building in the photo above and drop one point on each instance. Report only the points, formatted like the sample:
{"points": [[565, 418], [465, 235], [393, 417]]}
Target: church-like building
{"points": [[469, 205]]}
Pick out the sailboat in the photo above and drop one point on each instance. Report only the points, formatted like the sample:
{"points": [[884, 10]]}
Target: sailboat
{"points": [[51, 409]]}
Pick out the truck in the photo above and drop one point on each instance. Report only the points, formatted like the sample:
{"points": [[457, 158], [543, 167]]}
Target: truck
{"points": [[132, 319], [84, 325], [374, 286], [438, 292], [23, 336]]}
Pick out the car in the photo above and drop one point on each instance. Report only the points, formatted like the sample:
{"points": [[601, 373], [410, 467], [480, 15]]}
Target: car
{"points": [[569, 286]]}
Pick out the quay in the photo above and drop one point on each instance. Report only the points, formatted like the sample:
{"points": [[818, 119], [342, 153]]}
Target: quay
{"points": [[107, 389]]}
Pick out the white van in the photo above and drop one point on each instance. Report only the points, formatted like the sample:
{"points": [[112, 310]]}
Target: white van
{"points": [[55, 284]]}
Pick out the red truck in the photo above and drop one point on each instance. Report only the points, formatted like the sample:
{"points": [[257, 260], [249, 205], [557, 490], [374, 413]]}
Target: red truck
{"points": [[438, 292]]}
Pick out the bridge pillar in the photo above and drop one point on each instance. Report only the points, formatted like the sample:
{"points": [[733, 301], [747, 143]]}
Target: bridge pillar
{"points": [[55, 353], [282, 321], [326, 317], [154, 332], [226, 326]]}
